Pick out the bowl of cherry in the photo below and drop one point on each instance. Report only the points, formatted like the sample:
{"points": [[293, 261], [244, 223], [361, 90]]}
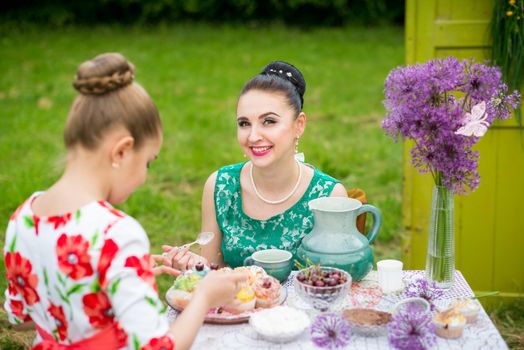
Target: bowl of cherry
{"points": [[322, 286]]}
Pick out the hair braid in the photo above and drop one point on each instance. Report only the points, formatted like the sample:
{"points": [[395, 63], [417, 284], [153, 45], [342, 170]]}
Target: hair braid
{"points": [[102, 85]]}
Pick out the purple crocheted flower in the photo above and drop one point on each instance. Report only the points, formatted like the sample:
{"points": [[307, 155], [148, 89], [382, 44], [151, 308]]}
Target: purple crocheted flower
{"points": [[423, 288], [411, 328], [428, 104], [330, 331]]}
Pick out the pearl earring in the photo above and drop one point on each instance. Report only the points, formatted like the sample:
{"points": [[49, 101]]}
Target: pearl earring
{"points": [[298, 156], [115, 165]]}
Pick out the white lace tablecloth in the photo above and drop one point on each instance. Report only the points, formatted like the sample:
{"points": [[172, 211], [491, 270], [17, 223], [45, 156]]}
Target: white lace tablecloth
{"points": [[480, 335]]}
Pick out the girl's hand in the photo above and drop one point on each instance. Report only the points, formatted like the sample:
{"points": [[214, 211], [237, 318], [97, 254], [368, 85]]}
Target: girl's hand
{"points": [[181, 258], [159, 266], [220, 287]]}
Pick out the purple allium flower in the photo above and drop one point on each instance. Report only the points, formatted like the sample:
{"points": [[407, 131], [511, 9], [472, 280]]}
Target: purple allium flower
{"points": [[411, 328], [423, 288], [330, 331], [428, 102]]}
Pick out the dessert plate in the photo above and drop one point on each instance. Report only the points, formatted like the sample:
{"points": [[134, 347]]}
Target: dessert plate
{"points": [[219, 316]]}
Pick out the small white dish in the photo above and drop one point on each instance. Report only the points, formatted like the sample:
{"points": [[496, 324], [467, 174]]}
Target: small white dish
{"points": [[280, 324], [414, 300]]}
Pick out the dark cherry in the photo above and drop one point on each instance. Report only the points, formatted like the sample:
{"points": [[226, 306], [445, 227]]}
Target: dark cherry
{"points": [[266, 283], [301, 277], [331, 282], [213, 266], [199, 266], [319, 283], [335, 276]]}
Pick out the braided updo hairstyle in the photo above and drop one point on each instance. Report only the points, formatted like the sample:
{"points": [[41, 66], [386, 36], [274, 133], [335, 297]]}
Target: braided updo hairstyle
{"points": [[280, 77], [109, 97]]}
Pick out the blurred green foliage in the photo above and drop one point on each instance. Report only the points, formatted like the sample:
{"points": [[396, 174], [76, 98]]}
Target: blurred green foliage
{"points": [[294, 12]]}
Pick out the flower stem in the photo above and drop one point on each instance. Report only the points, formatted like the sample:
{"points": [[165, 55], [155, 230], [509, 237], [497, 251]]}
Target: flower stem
{"points": [[440, 260]]}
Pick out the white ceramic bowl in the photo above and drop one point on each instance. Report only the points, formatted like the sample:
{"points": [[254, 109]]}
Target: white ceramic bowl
{"points": [[280, 324]]}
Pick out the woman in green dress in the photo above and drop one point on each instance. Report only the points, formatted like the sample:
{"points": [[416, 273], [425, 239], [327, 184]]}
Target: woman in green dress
{"points": [[262, 203]]}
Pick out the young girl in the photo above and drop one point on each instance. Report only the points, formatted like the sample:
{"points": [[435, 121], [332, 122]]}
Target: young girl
{"points": [[262, 203], [77, 268]]}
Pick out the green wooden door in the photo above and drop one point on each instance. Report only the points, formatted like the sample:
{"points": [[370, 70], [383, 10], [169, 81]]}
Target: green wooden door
{"points": [[489, 223]]}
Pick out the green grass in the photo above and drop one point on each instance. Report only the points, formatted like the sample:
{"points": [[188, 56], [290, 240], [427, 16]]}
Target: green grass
{"points": [[509, 319], [194, 73]]}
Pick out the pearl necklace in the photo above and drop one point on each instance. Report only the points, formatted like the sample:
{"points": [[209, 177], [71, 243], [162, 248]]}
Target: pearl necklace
{"points": [[278, 201]]}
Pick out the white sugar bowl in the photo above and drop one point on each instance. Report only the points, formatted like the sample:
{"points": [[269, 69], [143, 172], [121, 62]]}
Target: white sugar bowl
{"points": [[280, 324]]}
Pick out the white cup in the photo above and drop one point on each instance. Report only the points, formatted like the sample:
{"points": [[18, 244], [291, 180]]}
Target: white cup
{"points": [[390, 275]]}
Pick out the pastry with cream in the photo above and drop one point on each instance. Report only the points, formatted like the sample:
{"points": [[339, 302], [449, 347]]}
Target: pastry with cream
{"points": [[183, 288], [267, 291], [449, 324], [467, 307], [253, 272]]}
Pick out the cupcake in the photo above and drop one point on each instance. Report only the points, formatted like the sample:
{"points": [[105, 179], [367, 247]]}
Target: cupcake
{"points": [[183, 288], [253, 272], [468, 308], [449, 324], [267, 291], [244, 301]]}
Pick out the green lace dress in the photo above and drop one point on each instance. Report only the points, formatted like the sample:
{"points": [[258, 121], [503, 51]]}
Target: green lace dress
{"points": [[243, 235]]}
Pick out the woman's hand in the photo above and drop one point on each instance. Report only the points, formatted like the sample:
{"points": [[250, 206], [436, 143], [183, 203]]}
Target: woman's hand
{"points": [[181, 258], [159, 266]]}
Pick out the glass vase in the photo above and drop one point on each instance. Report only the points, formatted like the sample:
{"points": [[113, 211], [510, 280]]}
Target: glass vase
{"points": [[440, 261]]}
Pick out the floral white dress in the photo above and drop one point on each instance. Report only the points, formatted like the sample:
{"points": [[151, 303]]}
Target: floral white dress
{"points": [[77, 273]]}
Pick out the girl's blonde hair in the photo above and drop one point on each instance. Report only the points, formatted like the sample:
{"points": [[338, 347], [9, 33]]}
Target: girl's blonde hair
{"points": [[109, 97]]}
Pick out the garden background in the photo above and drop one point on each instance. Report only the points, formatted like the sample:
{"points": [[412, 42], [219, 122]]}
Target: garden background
{"points": [[193, 57]]}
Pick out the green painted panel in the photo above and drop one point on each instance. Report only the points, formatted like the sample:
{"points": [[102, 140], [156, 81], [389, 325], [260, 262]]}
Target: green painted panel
{"points": [[479, 54], [423, 29], [475, 220], [463, 9], [509, 229], [456, 33]]}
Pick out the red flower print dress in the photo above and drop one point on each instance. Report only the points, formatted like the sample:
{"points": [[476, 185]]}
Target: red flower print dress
{"points": [[78, 273]]}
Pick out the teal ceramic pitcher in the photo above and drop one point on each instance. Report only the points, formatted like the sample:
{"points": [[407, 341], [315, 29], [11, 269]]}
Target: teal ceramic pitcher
{"points": [[335, 240]]}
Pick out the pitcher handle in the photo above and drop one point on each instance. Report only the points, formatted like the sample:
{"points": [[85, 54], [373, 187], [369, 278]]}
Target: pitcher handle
{"points": [[377, 220], [249, 261]]}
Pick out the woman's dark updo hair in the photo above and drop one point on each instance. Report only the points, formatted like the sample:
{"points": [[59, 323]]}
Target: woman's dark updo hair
{"points": [[281, 77]]}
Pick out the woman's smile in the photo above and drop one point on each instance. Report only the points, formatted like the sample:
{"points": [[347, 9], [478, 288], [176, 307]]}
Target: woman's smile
{"points": [[260, 151]]}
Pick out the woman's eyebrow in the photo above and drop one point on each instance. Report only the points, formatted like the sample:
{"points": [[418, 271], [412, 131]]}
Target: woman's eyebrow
{"points": [[263, 115]]}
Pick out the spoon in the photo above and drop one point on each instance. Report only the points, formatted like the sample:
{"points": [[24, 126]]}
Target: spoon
{"points": [[203, 238]]}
